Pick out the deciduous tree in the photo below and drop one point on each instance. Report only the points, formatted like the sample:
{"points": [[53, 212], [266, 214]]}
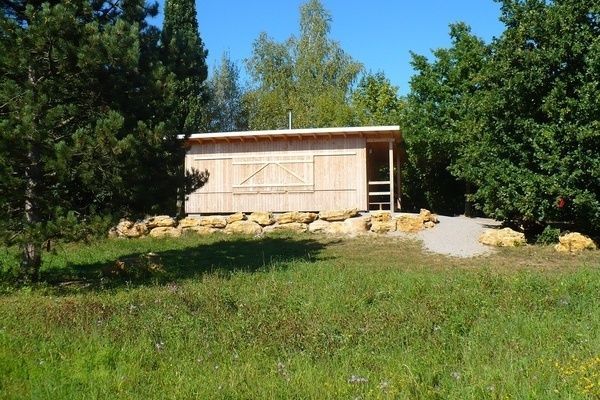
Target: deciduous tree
{"points": [[311, 76], [441, 117], [537, 157], [226, 108], [376, 102]]}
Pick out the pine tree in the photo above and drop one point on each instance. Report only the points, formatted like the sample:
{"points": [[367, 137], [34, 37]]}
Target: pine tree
{"points": [[52, 60], [185, 109], [79, 132], [185, 57]]}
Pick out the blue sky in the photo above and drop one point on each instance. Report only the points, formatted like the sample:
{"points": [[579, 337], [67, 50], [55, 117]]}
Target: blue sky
{"points": [[378, 33]]}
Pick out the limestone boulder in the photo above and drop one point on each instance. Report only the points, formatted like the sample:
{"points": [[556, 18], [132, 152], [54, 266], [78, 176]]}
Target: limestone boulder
{"points": [[295, 227], [574, 242], [425, 214], [130, 229], [383, 226], [381, 216], [358, 225], [337, 228], [294, 216], [502, 238], [213, 221], [409, 223], [318, 226], [338, 215], [243, 228], [165, 231], [262, 218], [160, 221], [429, 224], [202, 230], [188, 222], [235, 217]]}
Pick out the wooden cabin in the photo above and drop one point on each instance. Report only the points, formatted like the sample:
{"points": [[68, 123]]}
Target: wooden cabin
{"points": [[297, 170]]}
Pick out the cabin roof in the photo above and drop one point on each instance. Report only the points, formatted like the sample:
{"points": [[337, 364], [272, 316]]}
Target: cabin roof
{"points": [[392, 131]]}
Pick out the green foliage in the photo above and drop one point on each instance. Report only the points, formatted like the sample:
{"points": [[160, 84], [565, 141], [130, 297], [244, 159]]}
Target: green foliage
{"points": [[440, 117], [306, 318], [549, 235], [540, 139], [184, 57], [80, 134], [516, 120], [184, 105], [310, 75], [226, 108], [375, 101]]}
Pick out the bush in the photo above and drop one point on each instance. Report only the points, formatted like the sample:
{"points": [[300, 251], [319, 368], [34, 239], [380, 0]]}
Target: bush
{"points": [[548, 236]]}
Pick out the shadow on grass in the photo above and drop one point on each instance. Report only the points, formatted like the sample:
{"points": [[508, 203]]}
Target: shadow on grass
{"points": [[223, 257]]}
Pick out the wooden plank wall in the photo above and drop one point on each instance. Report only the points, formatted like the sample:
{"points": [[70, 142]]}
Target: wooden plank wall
{"points": [[280, 175]]}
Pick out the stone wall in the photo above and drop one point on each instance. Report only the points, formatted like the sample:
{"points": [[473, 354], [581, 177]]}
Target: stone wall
{"points": [[332, 222]]}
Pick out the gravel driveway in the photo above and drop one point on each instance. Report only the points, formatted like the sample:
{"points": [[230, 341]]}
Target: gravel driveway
{"points": [[457, 236]]}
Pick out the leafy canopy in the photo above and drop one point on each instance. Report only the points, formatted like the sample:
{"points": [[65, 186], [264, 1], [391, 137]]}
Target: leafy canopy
{"points": [[310, 75]]}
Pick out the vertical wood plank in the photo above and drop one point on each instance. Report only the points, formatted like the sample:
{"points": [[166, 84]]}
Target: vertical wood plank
{"points": [[398, 180], [391, 174]]}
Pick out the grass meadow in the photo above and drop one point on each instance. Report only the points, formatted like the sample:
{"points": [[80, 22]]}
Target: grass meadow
{"points": [[300, 317]]}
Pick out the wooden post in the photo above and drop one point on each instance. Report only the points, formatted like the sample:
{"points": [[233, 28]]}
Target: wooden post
{"points": [[398, 180], [391, 166]]}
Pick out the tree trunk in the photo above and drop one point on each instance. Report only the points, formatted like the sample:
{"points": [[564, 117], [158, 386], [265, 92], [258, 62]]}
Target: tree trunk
{"points": [[468, 204], [31, 256]]}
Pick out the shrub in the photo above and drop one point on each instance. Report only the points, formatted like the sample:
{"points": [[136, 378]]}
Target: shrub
{"points": [[548, 236]]}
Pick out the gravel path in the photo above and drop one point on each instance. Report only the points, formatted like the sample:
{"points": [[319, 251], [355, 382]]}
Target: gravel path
{"points": [[457, 236]]}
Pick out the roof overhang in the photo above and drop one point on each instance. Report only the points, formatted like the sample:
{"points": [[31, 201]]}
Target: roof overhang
{"points": [[391, 132]]}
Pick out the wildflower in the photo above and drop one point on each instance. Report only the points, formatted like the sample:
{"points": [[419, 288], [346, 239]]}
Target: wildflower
{"points": [[456, 375], [384, 386], [281, 370], [355, 379]]}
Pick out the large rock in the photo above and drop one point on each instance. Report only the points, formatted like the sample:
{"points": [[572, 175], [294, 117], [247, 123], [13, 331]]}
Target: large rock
{"points": [[262, 218], [239, 216], [357, 226], [337, 228], [574, 242], [243, 228], [409, 223], [383, 226], [295, 216], [202, 230], [214, 221], [318, 226], [165, 231], [338, 215], [502, 238], [295, 227], [428, 216], [188, 222], [160, 221], [425, 214], [131, 229], [381, 216]]}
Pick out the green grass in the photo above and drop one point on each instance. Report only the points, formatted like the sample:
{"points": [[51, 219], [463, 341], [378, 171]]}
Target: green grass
{"points": [[301, 317]]}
